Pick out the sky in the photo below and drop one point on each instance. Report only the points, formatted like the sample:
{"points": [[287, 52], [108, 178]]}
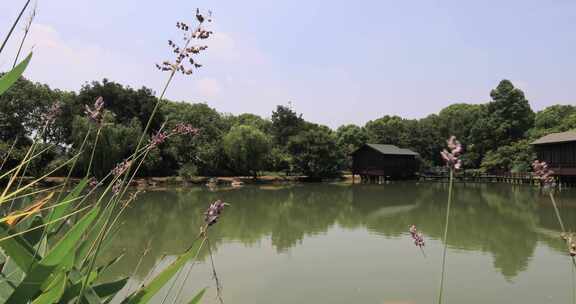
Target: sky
{"points": [[336, 62]]}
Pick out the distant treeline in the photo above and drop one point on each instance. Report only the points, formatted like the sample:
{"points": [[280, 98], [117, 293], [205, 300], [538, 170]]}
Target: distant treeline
{"points": [[496, 134]]}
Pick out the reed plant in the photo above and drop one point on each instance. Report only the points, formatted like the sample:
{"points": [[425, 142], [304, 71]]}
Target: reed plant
{"points": [[547, 181], [46, 260], [453, 163]]}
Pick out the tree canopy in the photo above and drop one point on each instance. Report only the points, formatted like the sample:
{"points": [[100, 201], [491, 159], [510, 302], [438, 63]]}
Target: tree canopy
{"points": [[495, 134], [247, 148]]}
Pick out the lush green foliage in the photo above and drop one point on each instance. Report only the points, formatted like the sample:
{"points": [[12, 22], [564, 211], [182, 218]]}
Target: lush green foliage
{"points": [[487, 130], [247, 148], [43, 260], [315, 152], [514, 158]]}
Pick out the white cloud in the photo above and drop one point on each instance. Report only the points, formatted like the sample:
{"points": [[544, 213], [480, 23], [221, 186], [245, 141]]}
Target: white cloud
{"points": [[226, 48], [67, 64]]}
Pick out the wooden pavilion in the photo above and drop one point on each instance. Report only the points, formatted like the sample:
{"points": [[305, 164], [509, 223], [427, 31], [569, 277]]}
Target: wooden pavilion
{"points": [[377, 162], [558, 150]]}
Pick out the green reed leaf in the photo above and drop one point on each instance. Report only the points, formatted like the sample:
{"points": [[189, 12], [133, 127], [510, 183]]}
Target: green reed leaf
{"points": [[145, 294], [106, 290], [60, 258], [73, 290], [70, 240], [17, 248], [11, 77], [60, 211], [33, 237], [86, 246], [111, 263], [198, 297], [53, 292]]}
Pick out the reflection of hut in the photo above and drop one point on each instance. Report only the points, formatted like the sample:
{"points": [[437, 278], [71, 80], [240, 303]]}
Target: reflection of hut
{"points": [[558, 150], [375, 162]]}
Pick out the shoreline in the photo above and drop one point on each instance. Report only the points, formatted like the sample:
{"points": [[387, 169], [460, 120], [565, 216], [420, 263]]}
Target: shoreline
{"points": [[209, 180]]}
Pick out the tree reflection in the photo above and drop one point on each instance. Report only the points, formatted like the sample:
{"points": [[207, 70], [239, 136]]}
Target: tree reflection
{"points": [[502, 220]]}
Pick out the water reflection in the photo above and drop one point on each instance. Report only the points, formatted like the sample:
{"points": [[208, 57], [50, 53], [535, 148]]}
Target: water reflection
{"points": [[506, 222]]}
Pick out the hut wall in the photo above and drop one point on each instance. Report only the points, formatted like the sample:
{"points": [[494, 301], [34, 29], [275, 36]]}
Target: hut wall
{"points": [[561, 157], [373, 163]]}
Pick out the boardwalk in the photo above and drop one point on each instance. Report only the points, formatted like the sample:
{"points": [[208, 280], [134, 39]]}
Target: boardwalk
{"points": [[488, 178]]}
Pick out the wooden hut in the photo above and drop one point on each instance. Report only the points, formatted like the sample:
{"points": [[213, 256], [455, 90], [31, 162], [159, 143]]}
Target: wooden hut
{"points": [[558, 150], [376, 162]]}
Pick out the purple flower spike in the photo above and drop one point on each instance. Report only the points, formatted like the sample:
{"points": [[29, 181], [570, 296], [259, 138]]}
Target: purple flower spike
{"points": [[184, 129], [544, 174], [451, 157], [117, 187], [93, 183], [158, 139], [53, 112], [418, 237], [121, 168], [95, 113], [213, 212]]}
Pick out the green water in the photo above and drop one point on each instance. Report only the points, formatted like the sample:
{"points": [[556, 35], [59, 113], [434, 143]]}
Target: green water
{"points": [[321, 243]]}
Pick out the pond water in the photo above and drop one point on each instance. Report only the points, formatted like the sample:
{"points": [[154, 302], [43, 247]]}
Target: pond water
{"points": [[332, 243]]}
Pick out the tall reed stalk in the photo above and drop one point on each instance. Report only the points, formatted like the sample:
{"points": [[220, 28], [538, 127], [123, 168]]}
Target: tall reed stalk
{"points": [[26, 31], [87, 236], [445, 236], [14, 26], [128, 173], [453, 163]]}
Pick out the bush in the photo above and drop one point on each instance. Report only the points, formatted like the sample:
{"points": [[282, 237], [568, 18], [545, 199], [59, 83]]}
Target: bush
{"points": [[188, 171], [247, 148]]}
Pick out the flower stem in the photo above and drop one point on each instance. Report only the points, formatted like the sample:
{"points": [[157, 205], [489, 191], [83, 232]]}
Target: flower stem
{"points": [[14, 25], [557, 211], [445, 238]]}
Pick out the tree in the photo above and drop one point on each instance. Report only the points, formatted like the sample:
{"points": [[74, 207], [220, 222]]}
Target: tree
{"points": [[556, 118], [386, 130], [315, 153], [569, 123], [125, 102], [465, 121], [21, 109], [424, 136], [254, 120], [507, 118], [516, 157], [458, 119], [247, 148], [285, 123], [509, 113], [349, 138], [115, 143], [205, 151]]}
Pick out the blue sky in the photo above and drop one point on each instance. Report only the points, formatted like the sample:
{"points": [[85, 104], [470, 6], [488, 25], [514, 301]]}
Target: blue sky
{"points": [[337, 62]]}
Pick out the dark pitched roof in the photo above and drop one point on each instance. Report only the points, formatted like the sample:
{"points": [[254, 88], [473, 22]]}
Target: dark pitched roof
{"points": [[556, 138], [391, 149]]}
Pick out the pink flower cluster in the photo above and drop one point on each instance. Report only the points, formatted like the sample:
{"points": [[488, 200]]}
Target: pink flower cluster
{"points": [[418, 237], [117, 187], [158, 139], [53, 112], [451, 158], [180, 129], [93, 183], [184, 129], [95, 113], [213, 212], [121, 168], [543, 173], [570, 240]]}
